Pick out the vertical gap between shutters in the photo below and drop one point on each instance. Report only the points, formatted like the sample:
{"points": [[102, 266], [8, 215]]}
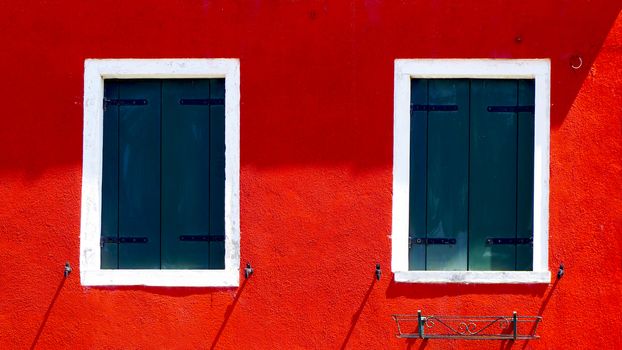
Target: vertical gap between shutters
{"points": [[427, 139], [516, 179], [468, 199]]}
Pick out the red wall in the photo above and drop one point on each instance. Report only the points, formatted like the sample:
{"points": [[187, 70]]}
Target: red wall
{"points": [[316, 170]]}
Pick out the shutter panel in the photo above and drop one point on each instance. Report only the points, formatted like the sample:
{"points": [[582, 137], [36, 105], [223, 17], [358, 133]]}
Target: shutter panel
{"points": [[524, 225], [217, 175], [110, 178], [492, 184], [185, 174], [139, 175], [418, 174], [479, 177], [447, 173]]}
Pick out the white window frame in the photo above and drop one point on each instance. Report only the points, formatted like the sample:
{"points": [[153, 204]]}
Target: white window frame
{"points": [[407, 69], [95, 71]]}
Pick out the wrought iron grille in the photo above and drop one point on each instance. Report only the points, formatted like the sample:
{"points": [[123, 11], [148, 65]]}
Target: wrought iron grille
{"points": [[467, 327]]}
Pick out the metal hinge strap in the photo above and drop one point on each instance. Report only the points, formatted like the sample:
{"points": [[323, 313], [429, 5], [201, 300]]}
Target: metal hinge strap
{"points": [[495, 241], [432, 240], [202, 238], [433, 108], [510, 109], [125, 102], [117, 240], [202, 101]]}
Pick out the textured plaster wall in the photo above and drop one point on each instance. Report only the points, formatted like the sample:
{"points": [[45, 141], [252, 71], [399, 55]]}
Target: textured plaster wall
{"points": [[316, 150]]}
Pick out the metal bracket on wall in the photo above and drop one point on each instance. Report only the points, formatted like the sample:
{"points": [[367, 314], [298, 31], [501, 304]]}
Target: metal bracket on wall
{"points": [[467, 327], [378, 272], [67, 269], [248, 270]]}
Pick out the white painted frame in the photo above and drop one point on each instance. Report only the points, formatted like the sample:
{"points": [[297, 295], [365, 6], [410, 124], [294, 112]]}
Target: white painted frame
{"points": [[407, 69], [95, 71]]}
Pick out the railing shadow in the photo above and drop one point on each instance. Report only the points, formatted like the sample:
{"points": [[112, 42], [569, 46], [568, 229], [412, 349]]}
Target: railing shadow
{"points": [[47, 313], [412, 342]]}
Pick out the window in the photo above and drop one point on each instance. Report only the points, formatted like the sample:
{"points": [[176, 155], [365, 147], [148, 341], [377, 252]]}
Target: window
{"points": [[161, 169], [470, 196], [163, 174]]}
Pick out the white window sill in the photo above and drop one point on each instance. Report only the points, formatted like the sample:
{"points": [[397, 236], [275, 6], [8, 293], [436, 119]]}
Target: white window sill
{"points": [[483, 277], [161, 278]]}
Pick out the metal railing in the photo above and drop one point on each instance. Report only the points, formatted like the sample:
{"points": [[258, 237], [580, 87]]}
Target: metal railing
{"points": [[467, 327]]}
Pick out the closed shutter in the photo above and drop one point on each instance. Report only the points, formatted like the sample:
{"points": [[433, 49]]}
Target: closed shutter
{"points": [[524, 202], [217, 175], [418, 175], [471, 175], [492, 182], [164, 168], [110, 180]]}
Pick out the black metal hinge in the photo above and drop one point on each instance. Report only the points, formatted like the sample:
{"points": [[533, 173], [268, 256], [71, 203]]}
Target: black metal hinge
{"points": [[433, 108], [202, 238], [495, 241], [202, 101], [510, 109], [124, 102], [433, 240], [117, 240]]}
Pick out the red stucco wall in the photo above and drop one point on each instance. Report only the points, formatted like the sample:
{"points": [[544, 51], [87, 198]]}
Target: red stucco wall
{"points": [[316, 164]]}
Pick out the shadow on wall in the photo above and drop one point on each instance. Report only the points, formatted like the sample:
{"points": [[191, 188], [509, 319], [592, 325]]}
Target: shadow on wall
{"points": [[316, 108], [173, 292], [345, 117], [410, 343], [183, 292], [47, 313], [357, 314], [228, 313]]}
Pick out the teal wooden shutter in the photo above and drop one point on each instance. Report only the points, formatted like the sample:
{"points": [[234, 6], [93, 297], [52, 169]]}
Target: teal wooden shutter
{"points": [[217, 175], [471, 174], [131, 175], [193, 170], [139, 175], [492, 183], [185, 174], [418, 174], [448, 151], [110, 179], [524, 202], [163, 174], [439, 174]]}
